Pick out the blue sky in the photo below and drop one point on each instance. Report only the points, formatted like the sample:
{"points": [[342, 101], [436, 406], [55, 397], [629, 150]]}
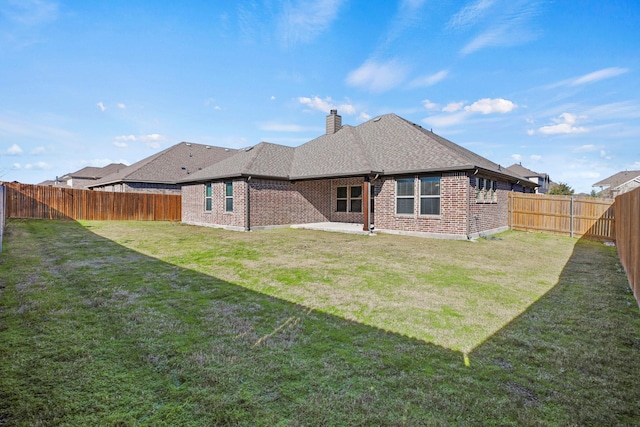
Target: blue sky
{"points": [[553, 85]]}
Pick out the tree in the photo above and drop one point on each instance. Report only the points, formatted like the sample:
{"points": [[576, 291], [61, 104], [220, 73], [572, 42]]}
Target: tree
{"points": [[561, 189], [594, 193]]}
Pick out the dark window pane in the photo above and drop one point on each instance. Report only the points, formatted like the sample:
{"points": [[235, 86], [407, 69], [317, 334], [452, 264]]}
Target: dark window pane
{"points": [[341, 206], [404, 206], [229, 204], [229, 189], [207, 204], [405, 187], [208, 190], [342, 192], [356, 205], [430, 186], [495, 185], [356, 192], [430, 206]]}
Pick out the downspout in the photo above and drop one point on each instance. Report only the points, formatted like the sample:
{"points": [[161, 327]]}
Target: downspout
{"points": [[248, 205]]}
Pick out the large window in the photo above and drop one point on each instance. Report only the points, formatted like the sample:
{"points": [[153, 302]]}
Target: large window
{"points": [[349, 199], [228, 196], [404, 196], [430, 196], [208, 200]]}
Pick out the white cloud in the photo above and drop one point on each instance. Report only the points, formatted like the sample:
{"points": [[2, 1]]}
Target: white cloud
{"points": [[152, 140], [101, 106], [38, 150], [327, 104], [470, 14], [376, 76], [587, 148], [122, 106], [126, 138], [304, 20], [535, 157], [16, 166], [606, 73], [363, 117], [516, 157], [530, 131], [502, 22], [31, 12], [430, 80], [489, 106], [431, 106], [445, 120], [452, 107], [37, 166], [563, 125], [14, 150], [272, 98]]}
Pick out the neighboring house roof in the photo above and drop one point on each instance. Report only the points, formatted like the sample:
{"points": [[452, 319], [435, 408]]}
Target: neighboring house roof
{"points": [[386, 145], [86, 173], [618, 179], [526, 173], [170, 165]]}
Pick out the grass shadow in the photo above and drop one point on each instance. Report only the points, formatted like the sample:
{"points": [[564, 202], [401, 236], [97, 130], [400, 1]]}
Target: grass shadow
{"points": [[93, 333]]}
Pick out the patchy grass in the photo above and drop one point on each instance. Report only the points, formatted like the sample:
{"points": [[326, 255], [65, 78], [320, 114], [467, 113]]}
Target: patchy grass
{"points": [[451, 293], [164, 324]]}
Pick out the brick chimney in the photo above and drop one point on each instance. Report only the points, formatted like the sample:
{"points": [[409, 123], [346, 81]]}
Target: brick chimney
{"points": [[334, 122]]}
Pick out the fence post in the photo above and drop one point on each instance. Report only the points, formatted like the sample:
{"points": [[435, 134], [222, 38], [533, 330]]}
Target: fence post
{"points": [[572, 217]]}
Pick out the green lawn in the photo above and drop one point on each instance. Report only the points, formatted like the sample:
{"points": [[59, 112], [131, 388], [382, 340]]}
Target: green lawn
{"points": [[141, 323]]}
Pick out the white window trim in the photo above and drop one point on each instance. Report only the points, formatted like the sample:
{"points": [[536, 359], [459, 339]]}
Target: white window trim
{"points": [[430, 196], [412, 196]]}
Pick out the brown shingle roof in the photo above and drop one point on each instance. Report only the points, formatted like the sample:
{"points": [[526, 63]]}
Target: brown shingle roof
{"points": [[617, 179], [387, 145], [524, 172], [170, 165]]}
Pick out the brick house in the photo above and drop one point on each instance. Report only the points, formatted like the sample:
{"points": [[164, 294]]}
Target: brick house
{"points": [[387, 172], [619, 183], [542, 179], [160, 172]]}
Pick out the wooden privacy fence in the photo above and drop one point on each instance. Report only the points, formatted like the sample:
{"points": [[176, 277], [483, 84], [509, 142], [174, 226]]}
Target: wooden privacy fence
{"points": [[586, 217], [44, 202], [628, 239]]}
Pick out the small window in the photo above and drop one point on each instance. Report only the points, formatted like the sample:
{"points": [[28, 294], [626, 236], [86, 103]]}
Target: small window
{"points": [[208, 202], [228, 197], [356, 199], [341, 194], [404, 196], [430, 196]]}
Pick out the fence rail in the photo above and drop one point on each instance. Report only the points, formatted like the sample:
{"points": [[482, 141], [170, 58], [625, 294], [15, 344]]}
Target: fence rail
{"points": [[586, 217], [45, 202], [628, 241]]}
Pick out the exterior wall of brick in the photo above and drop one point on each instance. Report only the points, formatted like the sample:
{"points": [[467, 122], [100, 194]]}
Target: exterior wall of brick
{"points": [[454, 190], [283, 202], [140, 187], [488, 211], [193, 205]]}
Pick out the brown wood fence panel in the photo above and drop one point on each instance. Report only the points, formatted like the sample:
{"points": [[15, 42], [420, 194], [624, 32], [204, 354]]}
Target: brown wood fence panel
{"points": [[628, 239], [569, 216], [44, 202]]}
